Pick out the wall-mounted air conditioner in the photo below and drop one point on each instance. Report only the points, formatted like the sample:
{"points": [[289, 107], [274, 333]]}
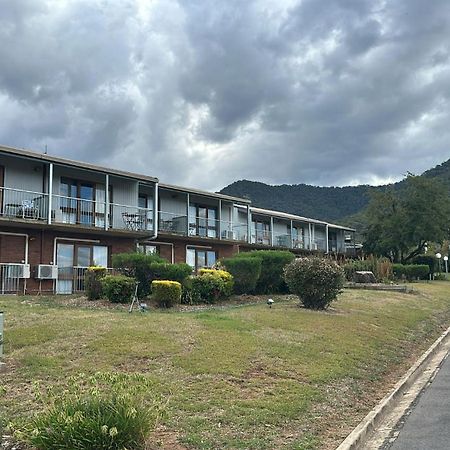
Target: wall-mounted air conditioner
{"points": [[47, 272]]}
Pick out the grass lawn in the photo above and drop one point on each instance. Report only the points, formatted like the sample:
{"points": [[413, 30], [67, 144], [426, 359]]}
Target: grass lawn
{"points": [[245, 377]]}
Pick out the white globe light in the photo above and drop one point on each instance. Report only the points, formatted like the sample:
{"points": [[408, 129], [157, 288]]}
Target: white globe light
{"points": [[445, 258], [438, 256]]}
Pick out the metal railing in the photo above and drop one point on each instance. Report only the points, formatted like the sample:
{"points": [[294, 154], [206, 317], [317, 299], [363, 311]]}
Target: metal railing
{"points": [[10, 278], [71, 280], [172, 223], [261, 237], [21, 204], [282, 240], [131, 218]]}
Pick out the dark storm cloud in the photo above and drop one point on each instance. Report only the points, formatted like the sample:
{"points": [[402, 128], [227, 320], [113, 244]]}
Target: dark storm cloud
{"points": [[203, 92]]}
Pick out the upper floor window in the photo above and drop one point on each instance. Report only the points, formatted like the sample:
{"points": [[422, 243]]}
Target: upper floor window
{"points": [[203, 221]]}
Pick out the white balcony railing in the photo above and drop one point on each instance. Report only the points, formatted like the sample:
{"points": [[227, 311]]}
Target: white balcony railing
{"points": [[21, 204]]}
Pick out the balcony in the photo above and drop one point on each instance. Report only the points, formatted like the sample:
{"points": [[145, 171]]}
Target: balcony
{"points": [[29, 206]]}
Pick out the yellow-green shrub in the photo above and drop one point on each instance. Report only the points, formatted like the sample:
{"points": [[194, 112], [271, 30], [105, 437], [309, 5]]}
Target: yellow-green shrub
{"points": [[166, 293], [225, 276]]}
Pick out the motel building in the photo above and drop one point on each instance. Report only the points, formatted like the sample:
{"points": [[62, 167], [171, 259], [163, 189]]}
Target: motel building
{"points": [[58, 217]]}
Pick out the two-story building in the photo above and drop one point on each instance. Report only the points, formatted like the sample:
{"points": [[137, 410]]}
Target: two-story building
{"points": [[59, 216]]}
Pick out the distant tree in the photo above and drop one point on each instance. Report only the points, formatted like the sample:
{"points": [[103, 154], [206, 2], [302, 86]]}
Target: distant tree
{"points": [[400, 223]]}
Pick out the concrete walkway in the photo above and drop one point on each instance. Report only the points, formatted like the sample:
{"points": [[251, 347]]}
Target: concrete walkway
{"points": [[427, 426]]}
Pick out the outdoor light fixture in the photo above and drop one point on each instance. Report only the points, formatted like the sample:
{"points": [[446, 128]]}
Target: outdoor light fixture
{"points": [[439, 256], [446, 263], [270, 302]]}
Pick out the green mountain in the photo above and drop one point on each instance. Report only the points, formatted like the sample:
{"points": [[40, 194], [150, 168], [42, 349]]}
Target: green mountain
{"points": [[333, 204]]}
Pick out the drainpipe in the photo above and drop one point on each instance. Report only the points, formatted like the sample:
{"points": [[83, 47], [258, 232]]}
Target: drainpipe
{"points": [[107, 201], [326, 238]]}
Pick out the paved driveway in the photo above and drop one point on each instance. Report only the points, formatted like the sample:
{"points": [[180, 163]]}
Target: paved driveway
{"points": [[427, 427]]}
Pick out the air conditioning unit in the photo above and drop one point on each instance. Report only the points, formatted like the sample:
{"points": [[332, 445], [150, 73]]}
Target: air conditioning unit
{"points": [[47, 272], [18, 271]]}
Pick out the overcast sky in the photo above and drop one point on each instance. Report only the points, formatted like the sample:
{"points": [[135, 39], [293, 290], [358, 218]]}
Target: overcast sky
{"points": [[202, 93]]}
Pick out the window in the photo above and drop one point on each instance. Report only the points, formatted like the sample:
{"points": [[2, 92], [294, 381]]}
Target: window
{"points": [[148, 249], [199, 258], [202, 221], [261, 232], [83, 202], [145, 204]]}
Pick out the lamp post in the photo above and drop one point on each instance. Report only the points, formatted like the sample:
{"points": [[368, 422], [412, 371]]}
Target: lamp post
{"points": [[439, 256], [446, 263]]}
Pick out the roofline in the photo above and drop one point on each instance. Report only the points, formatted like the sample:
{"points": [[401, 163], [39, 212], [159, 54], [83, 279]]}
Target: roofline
{"points": [[78, 164], [283, 215], [204, 193]]}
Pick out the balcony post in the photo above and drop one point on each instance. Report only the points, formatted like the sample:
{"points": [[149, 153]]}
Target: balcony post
{"points": [[188, 201], [155, 209], [309, 236], [271, 231], [219, 217], [50, 192], [107, 201], [249, 225], [292, 233]]}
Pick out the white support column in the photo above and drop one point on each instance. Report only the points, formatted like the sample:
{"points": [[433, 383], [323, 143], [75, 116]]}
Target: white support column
{"points": [[155, 209], [249, 225], [188, 201], [219, 218], [50, 192], [271, 231], [314, 235], [107, 201], [326, 238], [292, 237], [309, 236]]}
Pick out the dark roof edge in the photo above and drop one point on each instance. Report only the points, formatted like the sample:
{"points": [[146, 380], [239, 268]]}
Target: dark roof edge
{"points": [[70, 162]]}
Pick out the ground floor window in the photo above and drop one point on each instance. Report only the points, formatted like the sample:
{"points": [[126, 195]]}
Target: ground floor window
{"points": [[200, 257], [72, 260], [148, 249]]}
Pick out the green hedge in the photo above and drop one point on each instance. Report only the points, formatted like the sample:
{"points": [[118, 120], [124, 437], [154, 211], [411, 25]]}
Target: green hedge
{"points": [[167, 271], [273, 262], [118, 288], [411, 271], [166, 293], [245, 271], [137, 265]]}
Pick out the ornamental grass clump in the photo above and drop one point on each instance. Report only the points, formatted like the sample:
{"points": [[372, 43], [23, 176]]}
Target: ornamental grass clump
{"points": [[105, 411], [317, 281]]}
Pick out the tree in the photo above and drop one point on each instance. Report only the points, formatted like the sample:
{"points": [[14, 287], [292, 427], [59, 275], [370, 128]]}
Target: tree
{"points": [[401, 222]]}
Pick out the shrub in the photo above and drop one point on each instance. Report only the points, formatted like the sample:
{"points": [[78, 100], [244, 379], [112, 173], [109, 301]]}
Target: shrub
{"points": [[207, 288], [245, 271], [430, 261], [411, 271], [226, 277], [317, 281], [167, 271], [93, 283], [166, 293], [137, 265], [271, 279], [96, 412], [118, 288]]}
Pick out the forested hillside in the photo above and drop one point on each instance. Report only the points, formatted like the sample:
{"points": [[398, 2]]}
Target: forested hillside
{"points": [[333, 204]]}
